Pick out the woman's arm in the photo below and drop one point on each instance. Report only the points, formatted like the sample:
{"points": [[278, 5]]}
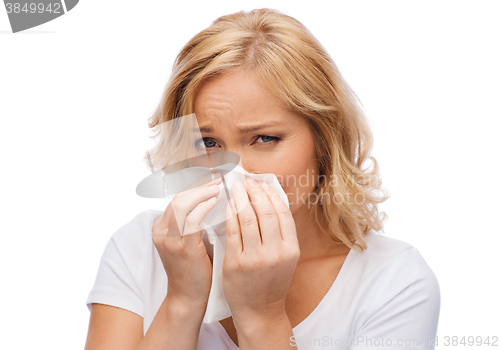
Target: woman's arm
{"points": [[177, 238], [271, 333], [112, 327], [175, 326]]}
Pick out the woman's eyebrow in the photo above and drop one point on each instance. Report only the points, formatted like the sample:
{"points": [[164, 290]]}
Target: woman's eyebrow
{"points": [[246, 129]]}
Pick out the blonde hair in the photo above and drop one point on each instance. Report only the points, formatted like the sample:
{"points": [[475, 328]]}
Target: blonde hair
{"points": [[289, 60]]}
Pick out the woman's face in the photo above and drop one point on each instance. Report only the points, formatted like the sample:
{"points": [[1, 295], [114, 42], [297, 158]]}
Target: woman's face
{"points": [[283, 144]]}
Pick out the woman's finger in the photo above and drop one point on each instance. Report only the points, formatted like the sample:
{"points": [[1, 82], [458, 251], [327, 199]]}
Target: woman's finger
{"points": [[285, 217], [184, 202], [192, 231], [247, 219], [266, 214], [169, 224], [234, 245]]}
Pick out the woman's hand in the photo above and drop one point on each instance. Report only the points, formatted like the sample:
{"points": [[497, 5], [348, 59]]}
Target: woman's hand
{"points": [[262, 251], [177, 237]]}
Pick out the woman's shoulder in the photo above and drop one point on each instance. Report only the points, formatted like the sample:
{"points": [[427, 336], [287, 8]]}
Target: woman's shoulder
{"points": [[390, 262], [120, 277], [390, 256], [381, 248], [391, 279], [137, 231], [145, 218]]}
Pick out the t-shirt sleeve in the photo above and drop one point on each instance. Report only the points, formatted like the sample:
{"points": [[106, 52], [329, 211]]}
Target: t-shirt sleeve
{"points": [[404, 307], [119, 276]]}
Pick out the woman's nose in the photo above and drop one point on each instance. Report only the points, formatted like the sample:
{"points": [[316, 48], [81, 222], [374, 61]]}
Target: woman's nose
{"points": [[242, 163], [248, 164]]}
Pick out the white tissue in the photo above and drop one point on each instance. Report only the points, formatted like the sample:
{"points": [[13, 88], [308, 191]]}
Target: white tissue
{"points": [[214, 228]]}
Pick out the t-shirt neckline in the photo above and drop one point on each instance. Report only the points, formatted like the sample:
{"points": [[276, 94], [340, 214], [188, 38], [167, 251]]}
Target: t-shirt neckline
{"points": [[331, 292], [298, 329]]}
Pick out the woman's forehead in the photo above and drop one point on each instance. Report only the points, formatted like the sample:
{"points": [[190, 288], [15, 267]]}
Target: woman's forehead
{"points": [[238, 95]]}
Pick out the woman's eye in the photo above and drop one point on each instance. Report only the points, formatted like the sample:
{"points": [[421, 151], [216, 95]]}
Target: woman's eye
{"points": [[209, 143], [267, 139]]}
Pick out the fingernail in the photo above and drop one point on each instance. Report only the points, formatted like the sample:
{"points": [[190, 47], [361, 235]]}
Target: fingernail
{"points": [[238, 186], [265, 184], [231, 202], [251, 181], [214, 188]]}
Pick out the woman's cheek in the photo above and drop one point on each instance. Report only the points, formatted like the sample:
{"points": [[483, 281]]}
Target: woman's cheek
{"points": [[291, 193]]}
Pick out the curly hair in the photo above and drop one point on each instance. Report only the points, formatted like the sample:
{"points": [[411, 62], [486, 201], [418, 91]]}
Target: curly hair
{"points": [[289, 60]]}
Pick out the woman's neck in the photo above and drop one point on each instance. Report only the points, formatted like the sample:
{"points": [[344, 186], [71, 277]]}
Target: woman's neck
{"points": [[313, 241]]}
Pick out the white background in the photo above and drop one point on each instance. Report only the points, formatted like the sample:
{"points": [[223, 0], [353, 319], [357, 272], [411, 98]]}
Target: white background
{"points": [[75, 95]]}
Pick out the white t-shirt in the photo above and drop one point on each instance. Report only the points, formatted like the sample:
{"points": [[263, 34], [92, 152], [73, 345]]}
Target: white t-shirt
{"points": [[385, 296]]}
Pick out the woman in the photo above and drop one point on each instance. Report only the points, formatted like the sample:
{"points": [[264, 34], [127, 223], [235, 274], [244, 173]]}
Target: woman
{"points": [[314, 275]]}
